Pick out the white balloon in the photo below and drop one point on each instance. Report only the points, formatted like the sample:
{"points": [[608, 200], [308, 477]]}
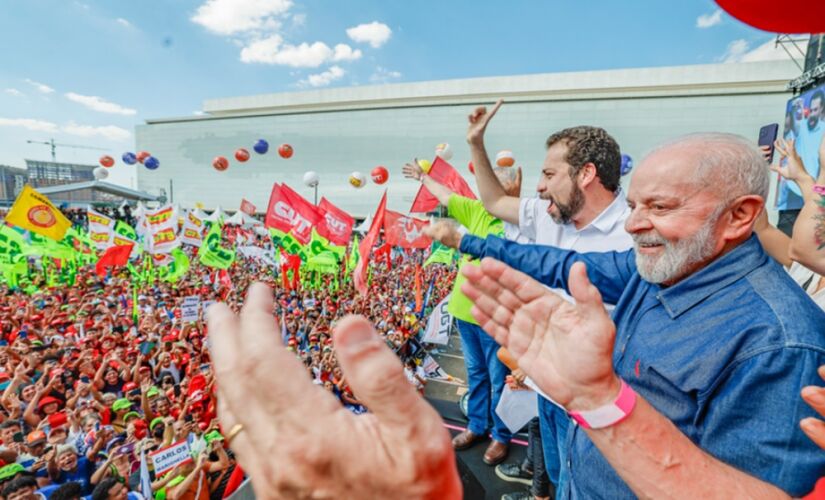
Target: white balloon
{"points": [[311, 179], [444, 151], [100, 173], [357, 179]]}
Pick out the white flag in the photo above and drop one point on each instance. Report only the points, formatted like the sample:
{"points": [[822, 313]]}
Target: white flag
{"points": [[439, 324]]}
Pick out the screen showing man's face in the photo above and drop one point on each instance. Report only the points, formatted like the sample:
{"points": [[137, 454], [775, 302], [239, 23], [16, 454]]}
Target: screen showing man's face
{"points": [[816, 112]]}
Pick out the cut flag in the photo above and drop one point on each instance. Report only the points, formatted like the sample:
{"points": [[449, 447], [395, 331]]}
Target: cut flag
{"points": [[446, 175], [34, 212]]}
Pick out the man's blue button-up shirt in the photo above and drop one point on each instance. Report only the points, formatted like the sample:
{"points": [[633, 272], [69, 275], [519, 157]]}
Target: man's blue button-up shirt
{"points": [[723, 354]]}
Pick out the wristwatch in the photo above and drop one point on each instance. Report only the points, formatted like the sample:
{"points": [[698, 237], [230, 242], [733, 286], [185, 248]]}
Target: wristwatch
{"points": [[610, 414]]}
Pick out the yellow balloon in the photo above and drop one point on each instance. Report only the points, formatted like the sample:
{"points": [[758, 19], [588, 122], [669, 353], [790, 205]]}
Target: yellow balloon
{"points": [[425, 165]]}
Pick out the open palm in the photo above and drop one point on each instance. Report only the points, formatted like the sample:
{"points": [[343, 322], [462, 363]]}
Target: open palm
{"points": [[565, 348]]}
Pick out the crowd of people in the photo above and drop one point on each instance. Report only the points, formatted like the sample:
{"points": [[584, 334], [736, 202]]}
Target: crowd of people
{"points": [[98, 374]]}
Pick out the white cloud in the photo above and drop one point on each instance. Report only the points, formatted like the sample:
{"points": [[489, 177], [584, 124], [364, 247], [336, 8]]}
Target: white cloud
{"points": [[325, 78], [740, 51], [374, 33], [96, 103], [29, 124], [709, 20], [14, 92], [272, 50], [299, 20], [41, 87], [123, 22], [110, 132], [228, 17], [344, 52], [383, 75]]}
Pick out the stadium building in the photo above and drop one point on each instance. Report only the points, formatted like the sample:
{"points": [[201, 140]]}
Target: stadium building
{"points": [[337, 131]]}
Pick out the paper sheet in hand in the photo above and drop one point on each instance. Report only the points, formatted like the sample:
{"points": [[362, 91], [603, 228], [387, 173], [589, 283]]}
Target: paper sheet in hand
{"points": [[516, 408]]}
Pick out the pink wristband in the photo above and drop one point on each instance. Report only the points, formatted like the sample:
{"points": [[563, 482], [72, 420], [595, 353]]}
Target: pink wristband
{"points": [[819, 189], [610, 414]]}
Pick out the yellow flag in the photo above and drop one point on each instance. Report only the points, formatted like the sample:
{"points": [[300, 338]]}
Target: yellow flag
{"points": [[33, 211]]}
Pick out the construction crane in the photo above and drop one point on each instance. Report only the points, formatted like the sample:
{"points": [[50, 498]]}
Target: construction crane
{"points": [[54, 145]]}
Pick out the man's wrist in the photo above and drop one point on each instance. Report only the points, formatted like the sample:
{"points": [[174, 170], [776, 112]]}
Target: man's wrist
{"points": [[596, 395]]}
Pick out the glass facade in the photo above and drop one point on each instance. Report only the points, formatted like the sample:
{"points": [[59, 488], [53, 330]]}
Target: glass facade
{"points": [[335, 143]]}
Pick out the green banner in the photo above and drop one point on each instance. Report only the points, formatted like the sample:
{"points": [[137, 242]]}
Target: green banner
{"points": [[289, 244], [318, 245], [211, 253]]}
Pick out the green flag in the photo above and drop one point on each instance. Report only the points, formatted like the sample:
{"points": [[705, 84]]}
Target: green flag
{"points": [[125, 230], [440, 255], [211, 253], [178, 267], [318, 245], [352, 261]]}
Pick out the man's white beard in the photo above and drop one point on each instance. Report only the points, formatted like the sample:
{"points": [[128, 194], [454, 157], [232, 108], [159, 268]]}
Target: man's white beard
{"points": [[677, 257]]}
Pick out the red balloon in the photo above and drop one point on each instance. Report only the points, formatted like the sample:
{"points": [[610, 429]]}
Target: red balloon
{"points": [[241, 155], [107, 161], [142, 155], [220, 163], [379, 175], [472, 168], [790, 16], [285, 150]]}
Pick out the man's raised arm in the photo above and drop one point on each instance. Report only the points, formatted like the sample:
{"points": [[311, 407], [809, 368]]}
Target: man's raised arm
{"points": [[495, 199]]}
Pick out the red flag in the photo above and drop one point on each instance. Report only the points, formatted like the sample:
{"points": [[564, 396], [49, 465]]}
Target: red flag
{"points": [[288, 211], [248, 207], [364, 249], [234, 482], [419, 300], [336, 225], [385, 251], [446, 175], [405, 232], [290, 263], [115, 256]]}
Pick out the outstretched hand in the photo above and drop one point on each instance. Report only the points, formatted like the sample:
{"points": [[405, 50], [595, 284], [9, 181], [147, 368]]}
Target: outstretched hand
{"points": [[298, 440], [445, 233], [412, 171], [565, 348], [479, 119], [793, 169]]}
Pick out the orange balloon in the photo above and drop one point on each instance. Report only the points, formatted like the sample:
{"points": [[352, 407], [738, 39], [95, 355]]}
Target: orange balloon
{"points": [[220, 163], [285, 150], [107, 161]]}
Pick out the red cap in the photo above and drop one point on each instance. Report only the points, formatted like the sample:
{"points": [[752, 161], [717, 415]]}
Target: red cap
{"points": [[46, 401]]}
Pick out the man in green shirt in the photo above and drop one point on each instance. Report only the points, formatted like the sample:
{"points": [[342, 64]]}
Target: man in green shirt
{"points": [[485, 372]]}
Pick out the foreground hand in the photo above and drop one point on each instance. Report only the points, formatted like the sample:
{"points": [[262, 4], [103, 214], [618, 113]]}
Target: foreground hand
{"points": [[412, 171], [298, 441], [565, 349], [445, 233], [479, 119], [815, 397]]}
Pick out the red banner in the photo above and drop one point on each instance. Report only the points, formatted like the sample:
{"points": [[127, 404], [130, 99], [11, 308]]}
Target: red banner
{"points": [[337, 225], [405, 232], [288, 211], [248, 207], [447, 176], [364, 249]]}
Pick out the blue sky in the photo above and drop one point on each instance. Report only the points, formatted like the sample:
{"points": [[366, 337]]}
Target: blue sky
{"points": [[85, 72]]}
